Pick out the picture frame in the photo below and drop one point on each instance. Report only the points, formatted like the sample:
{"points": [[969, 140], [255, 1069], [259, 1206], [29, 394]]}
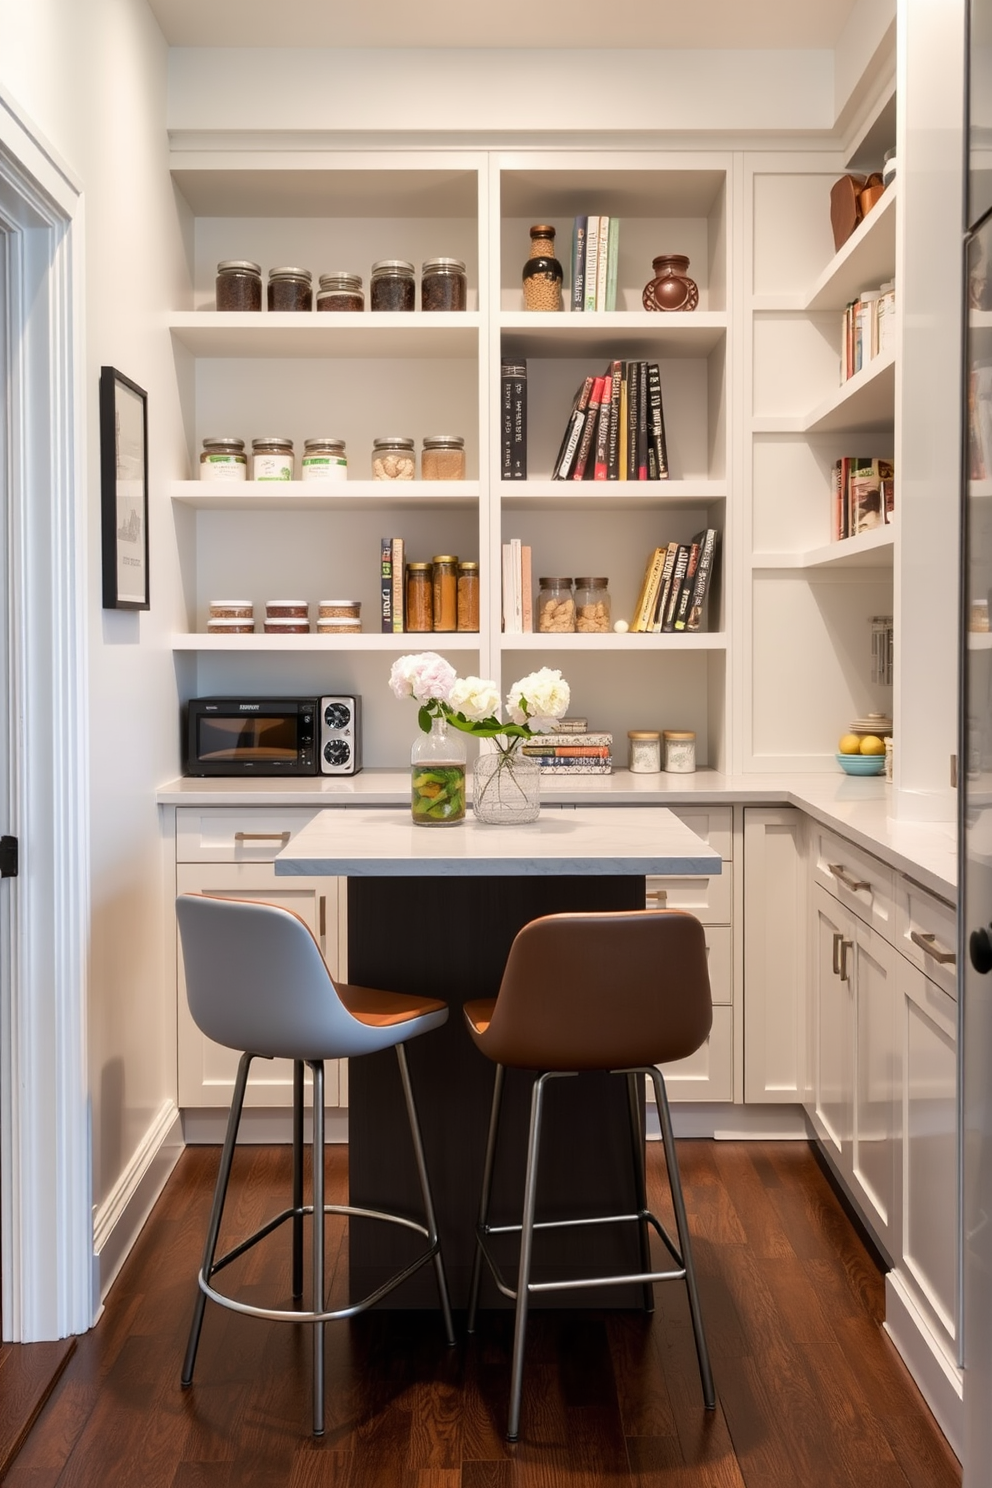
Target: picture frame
{"points": [[124, 491]]}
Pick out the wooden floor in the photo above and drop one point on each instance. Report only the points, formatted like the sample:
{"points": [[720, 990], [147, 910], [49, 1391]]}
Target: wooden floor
{"points": [[811, 1392]]}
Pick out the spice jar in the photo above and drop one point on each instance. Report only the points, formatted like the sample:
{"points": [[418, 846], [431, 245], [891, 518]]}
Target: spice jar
{"points": [[419, 597], [223, 460], [680, 752], [592, 606], [272, 459], [643, 751], [286, 627], [392, 286], [443, 457], [468, 596], [446, 592], [232, 609], [238, 285], [230, 627], [542, 276], [393, 458], [287, 609], [289, 289], [555, 606], [443, 285], [339, 626], [324, 459], [339, 609], [340, 291]]}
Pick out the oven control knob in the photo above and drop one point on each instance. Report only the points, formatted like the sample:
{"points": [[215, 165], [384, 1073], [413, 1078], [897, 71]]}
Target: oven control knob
{"points": [[980, 951], [337, 752], [337, 715]]}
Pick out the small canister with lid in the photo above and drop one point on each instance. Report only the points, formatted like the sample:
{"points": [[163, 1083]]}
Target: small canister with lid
{"points": [[419, 597], [223, 460], [443, 458], [555, 606], [290, 289], [340, 291], [338, 625], [446, 591], [287, 617], [443, 285], [468, 595], [231, 617], [238, 285], [272, 459], [340, 609], [393, 458], [324, 459], [592, 606], [680, 751], [644, 751], [393, 285]]}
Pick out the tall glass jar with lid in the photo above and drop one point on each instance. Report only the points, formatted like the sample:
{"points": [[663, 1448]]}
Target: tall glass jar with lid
{"points": [[239, 285], [555, 606], [443, 285], [340, 291], [393, 285], [290, 289]]}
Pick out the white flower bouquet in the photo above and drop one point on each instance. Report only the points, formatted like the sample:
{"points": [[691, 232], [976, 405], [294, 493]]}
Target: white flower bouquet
{"points": [[471, 704]]}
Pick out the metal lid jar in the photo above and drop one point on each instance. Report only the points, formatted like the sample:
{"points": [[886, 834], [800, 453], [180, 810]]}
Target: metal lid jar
{"points": [[592, 606], [290, 289], [443, 285], [223, 460], [680, 751], [324, 459], [272, 459], [393, 458], [443, 457], [238, 285], [555, 606], [445, 591], [419, 597], [644, 751], [468, 595], [340, 291], [393, 285]]}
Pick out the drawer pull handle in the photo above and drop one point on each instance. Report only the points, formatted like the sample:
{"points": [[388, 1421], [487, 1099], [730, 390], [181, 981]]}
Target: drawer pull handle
{"points": [[839, 872], [323, 916], [262, 836], [659, 895], [838, 942], [928, 943], [845, 946]]}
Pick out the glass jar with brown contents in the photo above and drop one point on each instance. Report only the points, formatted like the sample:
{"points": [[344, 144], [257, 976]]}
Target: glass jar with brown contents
{"points": [[555, 606], [443, 284], [443, 457], [340, 291], [239, 285], [543, 275], [393, 285], [289, 289], [468, 596], [446, 592], [419, 597]]}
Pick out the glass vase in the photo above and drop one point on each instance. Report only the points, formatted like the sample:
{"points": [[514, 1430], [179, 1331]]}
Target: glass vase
{"points": [[437, 777], [506, 789]]}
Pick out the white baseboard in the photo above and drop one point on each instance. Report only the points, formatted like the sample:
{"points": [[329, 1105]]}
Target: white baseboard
{"points": [[724, 1122], [118, 1220], [940, 1380], [261, 1126]]}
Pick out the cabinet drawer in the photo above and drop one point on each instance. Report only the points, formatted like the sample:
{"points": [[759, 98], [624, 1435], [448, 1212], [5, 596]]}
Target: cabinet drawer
{"points": [[233, 835], [707, 1075], [926, 933], [714, 824], [856, 879], [708, 898]]}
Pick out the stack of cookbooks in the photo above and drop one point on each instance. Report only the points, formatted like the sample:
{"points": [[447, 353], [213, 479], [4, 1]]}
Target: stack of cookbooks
{"points": [[571, 750], [595, 249]]}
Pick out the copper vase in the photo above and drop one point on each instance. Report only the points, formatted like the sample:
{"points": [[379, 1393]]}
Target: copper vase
{"points": [[671, 288]]}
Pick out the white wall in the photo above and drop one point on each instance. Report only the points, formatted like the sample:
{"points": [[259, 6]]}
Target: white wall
{"points": [[92, 76]]}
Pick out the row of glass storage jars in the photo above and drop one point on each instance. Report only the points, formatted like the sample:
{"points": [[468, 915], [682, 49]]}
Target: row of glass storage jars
{"points": [[285, 617], [561, 611], [443, 286], [272, 459], [442, 595]]}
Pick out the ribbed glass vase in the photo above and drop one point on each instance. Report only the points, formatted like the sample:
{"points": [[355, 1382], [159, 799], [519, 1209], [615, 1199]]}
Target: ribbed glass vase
{"points": [[506, 789]]}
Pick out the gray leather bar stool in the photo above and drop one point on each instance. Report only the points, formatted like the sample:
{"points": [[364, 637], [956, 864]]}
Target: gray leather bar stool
{"points": [[257, 982], [621, 992]]}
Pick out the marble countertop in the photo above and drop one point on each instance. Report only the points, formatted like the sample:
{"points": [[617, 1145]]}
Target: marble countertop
{"points": [[598, 840]]}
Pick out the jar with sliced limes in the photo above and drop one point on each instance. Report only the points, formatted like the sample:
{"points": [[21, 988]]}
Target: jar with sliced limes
{"points": [[437, 777]]}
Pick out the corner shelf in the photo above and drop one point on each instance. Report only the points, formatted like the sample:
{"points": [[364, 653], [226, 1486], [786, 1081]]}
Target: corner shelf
{"points": [[873, 549], [866, 260], [864, 401]]}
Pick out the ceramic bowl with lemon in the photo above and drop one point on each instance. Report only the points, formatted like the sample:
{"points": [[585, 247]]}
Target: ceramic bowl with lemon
{"points": [[862, 750]]}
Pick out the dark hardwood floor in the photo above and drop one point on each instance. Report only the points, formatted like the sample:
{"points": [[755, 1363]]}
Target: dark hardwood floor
{"points": [[811, 1393]]}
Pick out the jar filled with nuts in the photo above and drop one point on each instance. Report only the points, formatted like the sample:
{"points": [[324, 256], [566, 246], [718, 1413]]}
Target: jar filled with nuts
{"points": [[443, 457], [592, 606], [555, 606], [393, 458], [543, 273]]}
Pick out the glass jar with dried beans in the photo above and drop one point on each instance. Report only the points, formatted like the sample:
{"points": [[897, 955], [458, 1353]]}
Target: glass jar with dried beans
{"points": [[443, 285], [340, 291], [290, 289], [555, 606], [393, 458], [223, 460], [468, 596], [238, 285], [443, 457], [446, 592], [592, 606], [393, 285], [543, 275], [419, 597]]}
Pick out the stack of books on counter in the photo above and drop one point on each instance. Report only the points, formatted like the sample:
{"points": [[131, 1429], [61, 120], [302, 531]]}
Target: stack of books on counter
{"points": [[571, 750]]}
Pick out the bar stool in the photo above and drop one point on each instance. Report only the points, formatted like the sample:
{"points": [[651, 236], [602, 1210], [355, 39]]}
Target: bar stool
{"points": [[257, 982], [620, 992]]}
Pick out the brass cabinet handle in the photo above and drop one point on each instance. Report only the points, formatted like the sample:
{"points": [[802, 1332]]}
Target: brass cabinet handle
{"points": [[845, 946], [840, 873], [262, 836], [837, 945], [661, 895], [928, 943]]}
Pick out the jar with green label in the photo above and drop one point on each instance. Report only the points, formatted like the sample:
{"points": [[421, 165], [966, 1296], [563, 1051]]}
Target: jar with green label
{"points": [[223, 460], [324, 459], [272, 459]]}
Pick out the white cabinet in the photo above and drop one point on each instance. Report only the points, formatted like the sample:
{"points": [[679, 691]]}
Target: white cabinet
{"points": [[774, 954], [229, 852]]}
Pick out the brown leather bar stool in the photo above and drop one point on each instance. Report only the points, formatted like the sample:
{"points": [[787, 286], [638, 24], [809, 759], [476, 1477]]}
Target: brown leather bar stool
{"points": [[257, 982], [620, 992]]}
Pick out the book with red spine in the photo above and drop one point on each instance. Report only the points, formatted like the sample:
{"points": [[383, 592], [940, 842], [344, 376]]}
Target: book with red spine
{"points": [[602, 436], [586, 448]]}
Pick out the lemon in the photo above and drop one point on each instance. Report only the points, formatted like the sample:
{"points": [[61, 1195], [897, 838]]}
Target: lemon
{"points": [[849, 744], [872, 744]]}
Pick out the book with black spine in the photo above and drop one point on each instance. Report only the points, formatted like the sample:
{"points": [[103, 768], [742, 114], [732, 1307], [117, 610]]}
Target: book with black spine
{"points": [[630, 374], [642, 421], [685, 593], [704, 573], [665, 588], [615, 373], [622, 427], [678, 574], [579, 263], [513, 463], [657, 444], [586, 453], [573, 432], [386, 582]]}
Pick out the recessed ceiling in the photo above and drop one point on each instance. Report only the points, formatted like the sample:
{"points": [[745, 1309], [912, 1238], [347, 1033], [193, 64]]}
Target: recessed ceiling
{"points": [[671, 24]]}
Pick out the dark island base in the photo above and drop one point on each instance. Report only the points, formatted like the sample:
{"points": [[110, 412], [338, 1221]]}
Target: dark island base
{"points": [[449, 938]]}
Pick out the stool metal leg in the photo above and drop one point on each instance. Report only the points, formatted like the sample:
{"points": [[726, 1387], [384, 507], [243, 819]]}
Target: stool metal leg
{"points": [[526, 1253], [685, 1243], [425, 1188], [487, 1188], [317, 1302], [640, 1185], [297, 1177], [213, 1229]]}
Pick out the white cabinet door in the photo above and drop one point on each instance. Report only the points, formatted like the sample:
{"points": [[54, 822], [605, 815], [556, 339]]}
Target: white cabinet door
{"points": [[875, 1136], [206, 1070], [832, 1108], [774, 954]]}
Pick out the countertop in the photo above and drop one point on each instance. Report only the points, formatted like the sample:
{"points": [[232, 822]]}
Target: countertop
{"points": [[859, 808]]}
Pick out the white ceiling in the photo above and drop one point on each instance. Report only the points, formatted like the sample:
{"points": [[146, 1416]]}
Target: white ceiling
{"points": [[704, 24]]}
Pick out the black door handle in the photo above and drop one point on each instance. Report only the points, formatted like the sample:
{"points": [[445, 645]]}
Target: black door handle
{"points": [[980, 951]]}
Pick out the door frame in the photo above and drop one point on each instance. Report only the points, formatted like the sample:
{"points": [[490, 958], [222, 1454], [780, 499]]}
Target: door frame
{"points": [[45, 1163]]}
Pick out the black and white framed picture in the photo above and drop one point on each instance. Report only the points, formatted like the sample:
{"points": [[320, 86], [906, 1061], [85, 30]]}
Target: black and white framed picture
{"points": [[124, 491]]}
